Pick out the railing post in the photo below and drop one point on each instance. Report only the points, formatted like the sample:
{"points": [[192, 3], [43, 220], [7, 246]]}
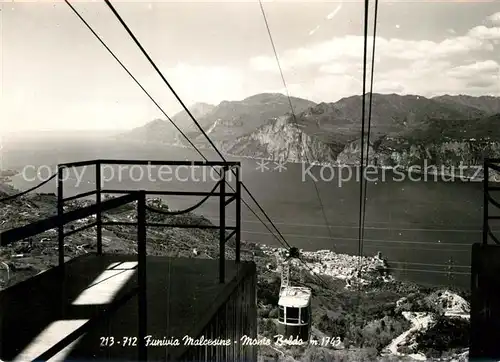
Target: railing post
{"points": [[222, 226], [238, 214], [486, 176], [142, 295], [98, 203], [60, 211]]}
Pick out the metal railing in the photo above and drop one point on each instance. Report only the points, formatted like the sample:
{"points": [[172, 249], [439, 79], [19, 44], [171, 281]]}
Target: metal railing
{"points": [[61, 219], [222, 194]]}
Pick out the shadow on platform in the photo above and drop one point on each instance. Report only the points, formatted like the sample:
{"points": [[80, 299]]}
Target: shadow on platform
{"points": [[183, 296]]}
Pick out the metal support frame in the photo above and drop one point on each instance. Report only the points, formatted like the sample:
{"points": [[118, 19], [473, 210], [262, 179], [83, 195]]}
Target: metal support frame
{"points": [[60, 211], [98, 203], [238, 214], [142, 295], [494, 164], [222, 227], [484, 319]]}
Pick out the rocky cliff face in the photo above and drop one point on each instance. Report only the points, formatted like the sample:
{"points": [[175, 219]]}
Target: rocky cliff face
{"points": [[285, 141], [407, 131], [282, 140], [351, 154], [447, 153]]}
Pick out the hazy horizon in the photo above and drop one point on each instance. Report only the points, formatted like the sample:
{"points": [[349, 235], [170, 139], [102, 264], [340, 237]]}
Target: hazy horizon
{"points": [[82, 133], [57, 77]]}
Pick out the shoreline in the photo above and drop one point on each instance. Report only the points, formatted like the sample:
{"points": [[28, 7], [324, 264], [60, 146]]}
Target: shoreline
{"points": [[447, 173], [477, 177]]}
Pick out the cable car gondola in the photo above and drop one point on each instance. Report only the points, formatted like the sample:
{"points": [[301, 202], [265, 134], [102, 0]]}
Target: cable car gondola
{"points": [[294, 318]]}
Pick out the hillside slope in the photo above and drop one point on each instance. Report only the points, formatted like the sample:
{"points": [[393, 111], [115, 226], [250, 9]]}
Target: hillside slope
{"points": [[198, 110], [162, 130], [487, 104], [156, 131]]}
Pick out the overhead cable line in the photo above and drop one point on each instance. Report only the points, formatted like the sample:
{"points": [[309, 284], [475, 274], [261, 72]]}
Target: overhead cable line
{"points": [[293, 112], [369, 117], [277, 58], [376, 244], [136, 41], [11, 197], [189, 209], [153, 64], [430, 271], [127, 71], [283, 242], [267, 217], [322, 281], [472, 231], [295, 120], [381, 241], [435, 265], [362, 196]]}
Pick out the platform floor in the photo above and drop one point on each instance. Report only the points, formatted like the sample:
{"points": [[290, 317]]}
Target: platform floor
{"points": [[41, 311]]}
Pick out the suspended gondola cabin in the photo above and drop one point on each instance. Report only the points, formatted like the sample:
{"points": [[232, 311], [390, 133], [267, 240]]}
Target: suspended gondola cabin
{"points": [[294, 319]]}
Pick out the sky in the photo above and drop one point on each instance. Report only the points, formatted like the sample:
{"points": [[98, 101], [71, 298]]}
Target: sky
{"points": [[56, 76]]}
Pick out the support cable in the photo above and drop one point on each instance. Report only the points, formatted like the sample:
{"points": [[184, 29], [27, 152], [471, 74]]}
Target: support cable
{"points": [[185, 211], [153, 64], [136, 41], [293, 114], [11, 197], [295, 120], [282, 240], [128, 72], [362, 196], [369, 118]]}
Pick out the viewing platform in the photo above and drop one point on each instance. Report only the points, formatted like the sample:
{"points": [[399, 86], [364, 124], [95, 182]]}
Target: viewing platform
{"points": [[184, 298], [131, 307]]}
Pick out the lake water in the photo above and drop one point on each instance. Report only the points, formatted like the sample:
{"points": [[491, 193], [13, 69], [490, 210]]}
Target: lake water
{"points": [[422, 227]]}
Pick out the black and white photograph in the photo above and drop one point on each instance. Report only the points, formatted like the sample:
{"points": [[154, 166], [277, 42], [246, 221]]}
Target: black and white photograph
{"points": [[250, 180]]}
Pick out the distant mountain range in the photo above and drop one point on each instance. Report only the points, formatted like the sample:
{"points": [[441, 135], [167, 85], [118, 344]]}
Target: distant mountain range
{"points": [[230, 120], [404, 129], [227, 121]]}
